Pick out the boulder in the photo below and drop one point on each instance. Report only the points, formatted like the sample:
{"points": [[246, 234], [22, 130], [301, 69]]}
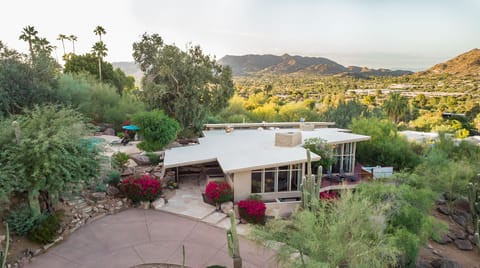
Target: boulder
{"points": [[452, 235], [462, 204], [141, 160], [443, 210], [109, 131], [463, 244], [226, 207], [445, 263], [445, 239], [112, 190], [131, 163], [159, 203], [127, 172], [422, 264], [460, 234], [99, 196], [471, 238], [460, 220]]}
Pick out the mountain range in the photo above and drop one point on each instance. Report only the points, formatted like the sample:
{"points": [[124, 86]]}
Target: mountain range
{"points": [[465, 64], [287, 64]]}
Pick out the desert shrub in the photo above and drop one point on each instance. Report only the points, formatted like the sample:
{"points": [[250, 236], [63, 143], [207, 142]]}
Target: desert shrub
{"points": [[156, 129], [153, 157], [253, 211], [408, 243], [101, 187], [46, 228], [112, 177], [96, 100], [255, 197], [145, 188], [323, 149], [120, 160], [219, 192], [21, 220], [350, 232], [385, 147]]}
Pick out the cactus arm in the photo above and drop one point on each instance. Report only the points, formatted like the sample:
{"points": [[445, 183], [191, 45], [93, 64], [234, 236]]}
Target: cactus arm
{"points": [[233, 243], [7, 244]]}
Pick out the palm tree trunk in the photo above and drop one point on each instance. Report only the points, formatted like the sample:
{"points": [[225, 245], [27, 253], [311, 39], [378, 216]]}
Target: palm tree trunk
{"points": [[63, 45], [100, 68]]}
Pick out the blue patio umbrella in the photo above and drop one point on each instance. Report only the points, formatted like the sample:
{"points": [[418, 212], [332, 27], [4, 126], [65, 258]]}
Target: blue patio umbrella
{"points": [[131, 127]]}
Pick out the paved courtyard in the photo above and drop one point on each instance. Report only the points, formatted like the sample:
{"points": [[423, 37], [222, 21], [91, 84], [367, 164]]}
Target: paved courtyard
{"points": [[137, 236]]}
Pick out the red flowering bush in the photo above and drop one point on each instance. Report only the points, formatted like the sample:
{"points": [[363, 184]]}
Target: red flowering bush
{"points": [[251, 210], [328, 195], [219, 192], [145, 188]]}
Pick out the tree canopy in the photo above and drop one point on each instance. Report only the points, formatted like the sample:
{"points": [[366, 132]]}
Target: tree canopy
{"points": [[89, 63], [187, 85]]}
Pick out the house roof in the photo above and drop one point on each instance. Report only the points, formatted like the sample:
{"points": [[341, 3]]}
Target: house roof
{"points": [[419, 136], [249, 149]]}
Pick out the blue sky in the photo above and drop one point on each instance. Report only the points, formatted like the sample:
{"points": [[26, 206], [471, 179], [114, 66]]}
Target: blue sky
{"points": [[375, 33]]}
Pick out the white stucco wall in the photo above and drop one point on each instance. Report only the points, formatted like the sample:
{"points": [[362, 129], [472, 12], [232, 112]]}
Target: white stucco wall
{"points": [[242, 185]]}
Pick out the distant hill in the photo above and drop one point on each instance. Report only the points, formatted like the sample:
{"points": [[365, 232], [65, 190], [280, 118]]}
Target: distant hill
{"points": [[467, 63], [130, 68], [286, 64]]}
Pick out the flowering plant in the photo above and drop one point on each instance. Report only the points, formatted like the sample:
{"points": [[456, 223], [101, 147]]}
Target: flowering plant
{"points": [[145, 188], [251, 210], [219, 192], [328, 195]]}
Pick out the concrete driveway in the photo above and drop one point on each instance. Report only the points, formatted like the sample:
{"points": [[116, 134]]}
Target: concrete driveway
{"points": [[137, 236]]}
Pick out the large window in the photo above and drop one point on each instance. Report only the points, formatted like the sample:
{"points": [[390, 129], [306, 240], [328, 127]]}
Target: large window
{"points": [[345, 158], [279, 179]]}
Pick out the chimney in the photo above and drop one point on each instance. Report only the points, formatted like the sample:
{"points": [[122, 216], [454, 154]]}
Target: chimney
{"points": [[288, 139]]}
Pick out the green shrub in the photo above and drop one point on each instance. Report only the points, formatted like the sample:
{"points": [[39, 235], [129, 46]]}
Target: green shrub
{"points": [[101, 187], [120, 160], [156, 129], [153, 157], [46, 229], [113, 177], [408, 243], [21, 220]]}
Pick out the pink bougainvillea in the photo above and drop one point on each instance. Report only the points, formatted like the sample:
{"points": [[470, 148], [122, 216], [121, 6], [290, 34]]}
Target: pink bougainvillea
{"points": [[219, 191], [144, 188], [329, 195], [252, 211]]}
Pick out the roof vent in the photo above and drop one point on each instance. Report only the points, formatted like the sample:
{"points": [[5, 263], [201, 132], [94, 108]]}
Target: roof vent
{"points": [[288, 139], [307, 127]]}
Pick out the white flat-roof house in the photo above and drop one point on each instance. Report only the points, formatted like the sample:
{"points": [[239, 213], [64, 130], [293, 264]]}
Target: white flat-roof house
{"points": [[268, 161]]}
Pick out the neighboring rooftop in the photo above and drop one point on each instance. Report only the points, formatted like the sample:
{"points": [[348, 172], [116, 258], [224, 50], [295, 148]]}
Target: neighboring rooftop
{"points": [[419, 136], [267, 125], [247, 149]]}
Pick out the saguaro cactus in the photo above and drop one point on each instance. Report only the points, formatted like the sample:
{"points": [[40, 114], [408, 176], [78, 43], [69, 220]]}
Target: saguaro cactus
{"points": [[474, 201], [310, 188], [3, 256], [233, 244]]}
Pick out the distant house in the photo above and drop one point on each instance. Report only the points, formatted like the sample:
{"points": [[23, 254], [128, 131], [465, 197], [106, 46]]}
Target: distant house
{"points": [[268, 160], [419, 136]]}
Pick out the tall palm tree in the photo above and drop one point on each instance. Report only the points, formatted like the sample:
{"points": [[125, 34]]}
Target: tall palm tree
{"points": [[42, 45], [29, 34], [396, 106], [62, 37], [73, 38], [99, 30], [100, 50]]}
